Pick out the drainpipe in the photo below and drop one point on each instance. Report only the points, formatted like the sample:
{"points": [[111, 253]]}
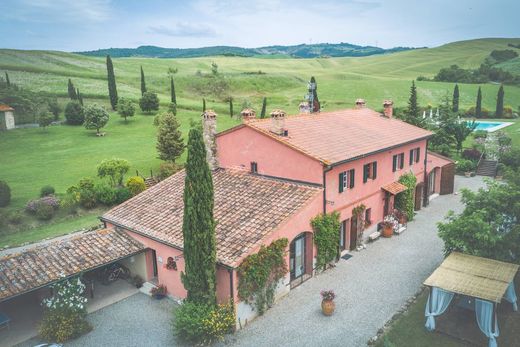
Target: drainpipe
{"points": [[325, 170], [425, 187], [231, 287]]}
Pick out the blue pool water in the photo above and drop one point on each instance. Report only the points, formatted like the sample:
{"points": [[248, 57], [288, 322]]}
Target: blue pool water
{"points": [[486, 125]]}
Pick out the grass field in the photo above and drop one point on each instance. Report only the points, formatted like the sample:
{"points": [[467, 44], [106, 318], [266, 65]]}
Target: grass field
{"points": [[61, 155]]}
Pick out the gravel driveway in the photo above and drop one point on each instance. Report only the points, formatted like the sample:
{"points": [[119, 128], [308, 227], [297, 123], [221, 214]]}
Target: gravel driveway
{"points": [[371, 287]]}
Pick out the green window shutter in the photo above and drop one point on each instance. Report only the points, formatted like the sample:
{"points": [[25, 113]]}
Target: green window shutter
{"points": [[365, 173], [401, 164], [341, 175], [394, 164], [352, 173], [418, 155], [411, 156], [374, 170]]}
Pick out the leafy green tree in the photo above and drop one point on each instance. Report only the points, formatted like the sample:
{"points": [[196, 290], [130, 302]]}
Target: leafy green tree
{"points": [[54, 107], [478, 106], [112, 88], [500, 102], [74, 113], [113, 169], [72, 91], [456, 96], [198, 227], [412, 113], [125, 108], [264, 107], [143, 83], [7, 81], [96, 117], [231, 107], [45, 119], [170, 143], [149, 102], [172, 91]]}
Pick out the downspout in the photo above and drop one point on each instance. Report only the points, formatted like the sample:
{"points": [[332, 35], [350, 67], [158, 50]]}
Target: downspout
{"points": [[325, 170], [425, 187], [231, 287]]}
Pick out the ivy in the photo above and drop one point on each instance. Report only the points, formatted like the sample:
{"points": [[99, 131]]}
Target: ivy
{"points": [[326, 237], [405, 201], [260, 273]]}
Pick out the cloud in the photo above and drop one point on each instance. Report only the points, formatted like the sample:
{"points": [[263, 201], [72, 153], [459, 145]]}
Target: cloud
{"points": [[184, 30]]}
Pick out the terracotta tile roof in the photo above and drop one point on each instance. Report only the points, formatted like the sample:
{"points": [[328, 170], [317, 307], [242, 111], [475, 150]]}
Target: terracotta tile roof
{"points": [[45, 264], [247, 208], [4, 107], [436, 160], [394, 188], [331, 137]]}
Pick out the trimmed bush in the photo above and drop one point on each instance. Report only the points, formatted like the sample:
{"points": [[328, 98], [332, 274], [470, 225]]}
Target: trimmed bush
{"points": [[465, 165], [5, 194], [46, 190], [135, 185], [122, 194], [106, 194], [74, 113]]}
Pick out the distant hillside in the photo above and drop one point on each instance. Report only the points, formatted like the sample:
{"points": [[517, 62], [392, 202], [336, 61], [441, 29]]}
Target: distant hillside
{"points": [[298, 51]]}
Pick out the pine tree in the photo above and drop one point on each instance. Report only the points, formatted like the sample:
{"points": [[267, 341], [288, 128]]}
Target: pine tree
{"points": [[72, 91], [112, 89], [264, 106], [170, 143], [203, 105], [7, 81], [198, 227], [500, 102], [478, 106], [412, 112], [143, 83], [315, 107], [456, 98], [231, 107], [172, 88]]}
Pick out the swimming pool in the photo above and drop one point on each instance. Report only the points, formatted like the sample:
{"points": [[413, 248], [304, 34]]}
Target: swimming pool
{"points": [[491, 126]]}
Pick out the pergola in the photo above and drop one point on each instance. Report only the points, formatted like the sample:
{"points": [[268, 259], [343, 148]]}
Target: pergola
{"points": [[486, 280]]}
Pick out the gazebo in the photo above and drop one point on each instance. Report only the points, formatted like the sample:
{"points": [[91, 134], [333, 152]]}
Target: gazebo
{"points": [[485, 280]]}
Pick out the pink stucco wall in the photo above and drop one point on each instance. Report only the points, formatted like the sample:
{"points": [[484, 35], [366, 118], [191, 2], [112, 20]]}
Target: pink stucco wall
{"points": [[237, 149]]}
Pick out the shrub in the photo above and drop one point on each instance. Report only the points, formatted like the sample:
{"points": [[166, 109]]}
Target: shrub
{"points": [[125, 108], [15, 217], [87, 198], [45, 119], [74, 113], [50, 200], [202, 324], [5, 194], [470, 112], [46, 190], [54, 107], [511, 158], [71, 200], [135, 185], [508, 112], [122, 194], [471, 154], [168, 169], [405, 201], [465, 165], [149, 102], [44, 211], [106, 194], [480, 134], [115, 169]]}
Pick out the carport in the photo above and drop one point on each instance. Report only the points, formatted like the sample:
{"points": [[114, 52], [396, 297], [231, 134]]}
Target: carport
{"points": [[27, 274]]}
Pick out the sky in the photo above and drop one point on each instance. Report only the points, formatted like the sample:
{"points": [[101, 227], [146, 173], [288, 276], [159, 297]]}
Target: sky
{"points": [[80, 25]]}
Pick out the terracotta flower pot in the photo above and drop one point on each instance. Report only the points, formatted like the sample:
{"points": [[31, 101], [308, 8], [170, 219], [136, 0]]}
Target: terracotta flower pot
{"points": [[328, 307], [402, 220], [388, 231]]}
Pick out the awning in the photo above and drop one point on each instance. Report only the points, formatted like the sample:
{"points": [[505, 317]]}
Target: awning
{"points": [[43, 265], [469, 275], [394, 188]]}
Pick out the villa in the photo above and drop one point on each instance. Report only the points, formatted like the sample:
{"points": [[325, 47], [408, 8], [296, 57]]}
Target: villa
{"points": [[272, 176]]}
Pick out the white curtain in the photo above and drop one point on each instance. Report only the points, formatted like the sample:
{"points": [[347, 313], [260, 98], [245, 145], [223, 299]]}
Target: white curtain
{"points": [[487, 321], [440, 300], [511, 295]]}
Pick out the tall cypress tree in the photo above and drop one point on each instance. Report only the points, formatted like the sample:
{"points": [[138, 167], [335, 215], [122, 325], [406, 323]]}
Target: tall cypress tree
{"points": [[231, 107], [455, 107], [203, 105], [80, 97], [500, 102], [7, 81], [143, 83], [172, 88], [264, 106], [72, 91], [112, 89], [478, 106], [198, 228], [412, 112], [315, 107]]}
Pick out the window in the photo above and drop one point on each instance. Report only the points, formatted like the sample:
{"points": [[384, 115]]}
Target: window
{"points": [[346, 180], [254, 167], [415, 155], [398, 161], [370, 171]]}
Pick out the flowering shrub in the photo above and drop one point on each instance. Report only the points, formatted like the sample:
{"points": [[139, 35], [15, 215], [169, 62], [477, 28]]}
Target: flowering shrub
{"points": [[328, 294], [391, 221], [160, 290], [65, 312], [135, 185], [50, 200]]}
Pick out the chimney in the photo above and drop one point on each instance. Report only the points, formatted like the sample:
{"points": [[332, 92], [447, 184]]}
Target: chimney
{"points": [[248, 114], [388, 108], [360, 103], [209, 130], [278, 122]]}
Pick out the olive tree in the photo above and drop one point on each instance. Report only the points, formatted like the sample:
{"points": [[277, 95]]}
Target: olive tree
{"points": [[125, 108], [96, 117], [115, 169]]}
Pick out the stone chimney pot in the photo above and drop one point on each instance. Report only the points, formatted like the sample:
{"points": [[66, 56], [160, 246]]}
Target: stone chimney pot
{"points": [[388, 106], [278, 122], [209, 131], [360, 103]]}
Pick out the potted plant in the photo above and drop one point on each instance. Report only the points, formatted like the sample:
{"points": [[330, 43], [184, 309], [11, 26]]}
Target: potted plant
{"points": [[138, 281], [327, 303], [159, 292], [400, 216]]}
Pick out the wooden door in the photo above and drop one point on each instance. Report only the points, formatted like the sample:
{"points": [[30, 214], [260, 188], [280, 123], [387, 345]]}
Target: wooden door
{"points": [[353, 233], [418, 196]]}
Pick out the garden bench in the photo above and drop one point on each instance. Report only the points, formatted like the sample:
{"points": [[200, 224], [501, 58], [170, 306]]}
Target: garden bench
{"points": [[4, 321], [374, 236]]}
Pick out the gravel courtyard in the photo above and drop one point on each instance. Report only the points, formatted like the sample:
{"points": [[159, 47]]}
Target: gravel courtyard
{"points": [[371, 287]]}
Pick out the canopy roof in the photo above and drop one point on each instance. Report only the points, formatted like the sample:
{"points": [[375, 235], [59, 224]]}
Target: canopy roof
{"points": [[469, 275], [394, 188]]}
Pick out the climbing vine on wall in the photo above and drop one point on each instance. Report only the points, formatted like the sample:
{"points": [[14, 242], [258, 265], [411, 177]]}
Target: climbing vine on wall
{"points": [[260, 273], [405, 201], [326, 237]]}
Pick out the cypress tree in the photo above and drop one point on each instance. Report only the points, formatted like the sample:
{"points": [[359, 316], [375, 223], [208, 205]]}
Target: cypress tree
{"points": [[456, 98], [172, 87], [112, 89], [500, 102], [170, 143], [72, 91], [7, 81], [80, 97], [412, 112], [316, 102], [198, 226], [264, 106], [143, 83], [231, 107], [478, 106], [203, 105]]}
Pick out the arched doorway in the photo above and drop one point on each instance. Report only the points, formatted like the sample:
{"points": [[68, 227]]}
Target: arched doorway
{"points": [[300, 259]]}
